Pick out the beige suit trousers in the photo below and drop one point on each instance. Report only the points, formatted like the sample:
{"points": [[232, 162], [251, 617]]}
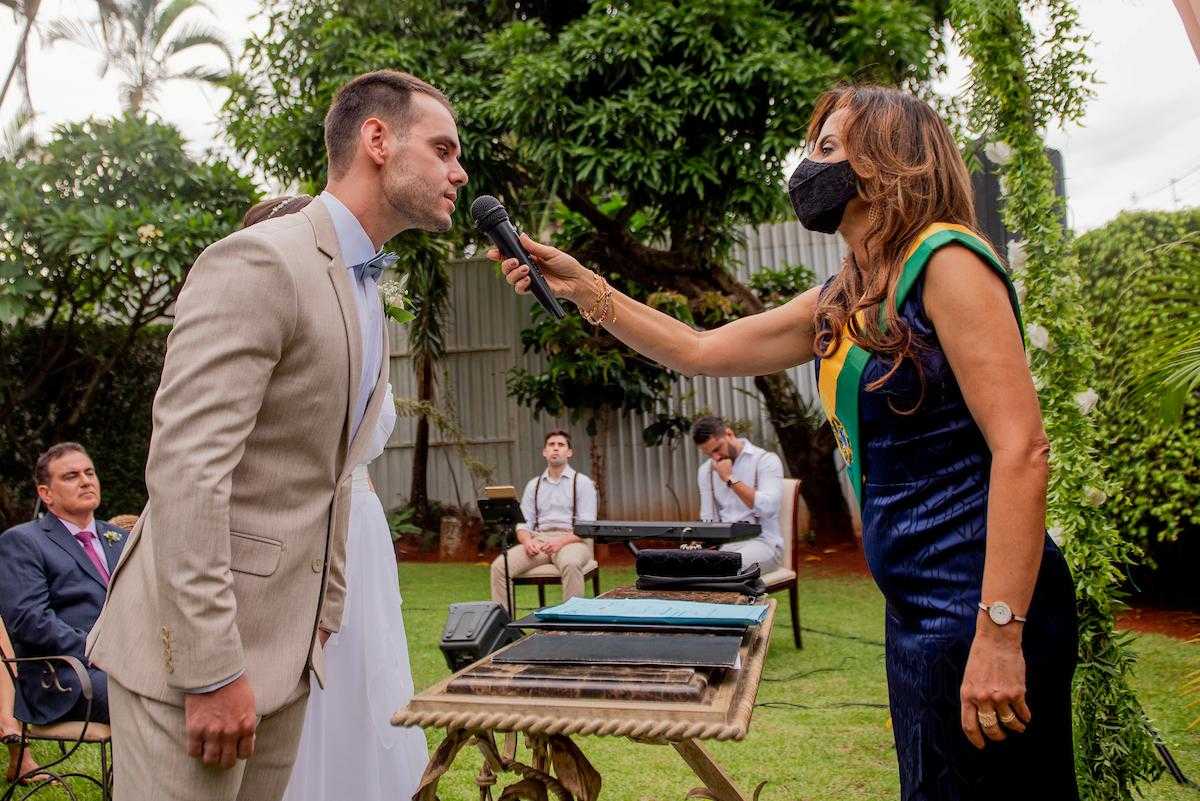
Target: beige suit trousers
{"points": [[570, 561], [150, 760]]}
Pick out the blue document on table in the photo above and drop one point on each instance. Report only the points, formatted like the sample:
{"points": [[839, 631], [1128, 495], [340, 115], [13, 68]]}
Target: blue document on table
{"points": [[654, 610]]}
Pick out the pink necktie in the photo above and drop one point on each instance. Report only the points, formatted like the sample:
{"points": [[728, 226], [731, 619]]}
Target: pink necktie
{"points": [[86, 539]]}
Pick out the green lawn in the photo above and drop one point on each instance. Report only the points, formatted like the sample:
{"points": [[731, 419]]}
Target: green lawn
{"points": [[826, 750]]}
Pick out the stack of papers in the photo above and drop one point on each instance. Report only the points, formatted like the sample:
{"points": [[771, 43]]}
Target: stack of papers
{"points": [[654, 610]]}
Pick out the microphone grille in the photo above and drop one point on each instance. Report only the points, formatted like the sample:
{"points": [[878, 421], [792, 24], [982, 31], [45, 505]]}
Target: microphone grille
{"points": [[487, 212]]}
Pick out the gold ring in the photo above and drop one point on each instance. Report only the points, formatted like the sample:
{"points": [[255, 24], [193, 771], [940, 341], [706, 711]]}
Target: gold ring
{"points": [[1009, 718], [987, 720]]}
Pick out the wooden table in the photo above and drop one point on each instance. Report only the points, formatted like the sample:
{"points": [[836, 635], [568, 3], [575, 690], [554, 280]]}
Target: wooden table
{"points": [[557, 768]]}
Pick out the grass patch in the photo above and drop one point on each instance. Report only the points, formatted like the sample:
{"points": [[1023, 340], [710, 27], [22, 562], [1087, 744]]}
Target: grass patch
{"points": [[819, 750]]}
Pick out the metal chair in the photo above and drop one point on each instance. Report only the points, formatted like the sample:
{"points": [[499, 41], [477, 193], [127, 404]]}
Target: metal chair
{"points": [[69, 735]]}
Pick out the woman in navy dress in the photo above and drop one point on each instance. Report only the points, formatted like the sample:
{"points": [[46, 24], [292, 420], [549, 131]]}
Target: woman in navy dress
{"points": [[923, 376]]}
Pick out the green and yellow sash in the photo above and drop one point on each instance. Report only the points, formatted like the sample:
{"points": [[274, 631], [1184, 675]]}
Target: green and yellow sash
{"points": [[841, 373]]}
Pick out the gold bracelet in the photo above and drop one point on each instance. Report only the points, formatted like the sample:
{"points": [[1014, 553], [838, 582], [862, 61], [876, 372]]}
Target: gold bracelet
{"points": [[590, 314], [610, 307], [603, 298]]}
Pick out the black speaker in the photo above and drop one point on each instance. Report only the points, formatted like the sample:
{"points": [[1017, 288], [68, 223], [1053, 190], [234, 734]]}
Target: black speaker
{"points": [[474, 630]]}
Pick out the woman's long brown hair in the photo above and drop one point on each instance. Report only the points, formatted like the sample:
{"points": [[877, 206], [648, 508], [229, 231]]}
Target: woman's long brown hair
{"points": [[910, 176]]}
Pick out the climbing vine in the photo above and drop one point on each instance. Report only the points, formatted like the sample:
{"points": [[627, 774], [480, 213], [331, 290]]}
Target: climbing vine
{"points": [[1022, 81]]}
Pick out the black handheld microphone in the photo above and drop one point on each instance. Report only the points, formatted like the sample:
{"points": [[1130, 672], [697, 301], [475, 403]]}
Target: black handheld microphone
{"points": [[491, 219]]}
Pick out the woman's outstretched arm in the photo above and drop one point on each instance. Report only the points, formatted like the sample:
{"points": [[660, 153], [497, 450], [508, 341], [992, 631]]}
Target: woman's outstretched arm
{"points": [[756, 345]]}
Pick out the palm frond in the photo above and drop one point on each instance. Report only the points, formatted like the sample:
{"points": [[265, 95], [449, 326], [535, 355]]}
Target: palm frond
{"points": [[139, 15], [174, 10], [18, 137], [197, 35], [212, 75], [84, 33]]}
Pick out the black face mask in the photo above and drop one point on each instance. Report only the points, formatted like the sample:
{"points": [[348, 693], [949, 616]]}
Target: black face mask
{"points": [[820, 192]]}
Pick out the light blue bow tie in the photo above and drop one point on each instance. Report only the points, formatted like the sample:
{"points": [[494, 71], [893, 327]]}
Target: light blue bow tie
{"points": [[374, 267]]}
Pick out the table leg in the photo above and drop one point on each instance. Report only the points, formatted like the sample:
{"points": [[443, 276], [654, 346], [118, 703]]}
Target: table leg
{"points": [[439, 763], [715, 779]]}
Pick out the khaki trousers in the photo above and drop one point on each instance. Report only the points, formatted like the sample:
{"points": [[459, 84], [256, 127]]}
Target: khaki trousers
{"points": [[150, 760], [570, 561]]}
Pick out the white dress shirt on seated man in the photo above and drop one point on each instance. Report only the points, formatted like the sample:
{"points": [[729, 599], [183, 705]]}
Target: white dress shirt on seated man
{"points": [[740, 481], [551, 504]]}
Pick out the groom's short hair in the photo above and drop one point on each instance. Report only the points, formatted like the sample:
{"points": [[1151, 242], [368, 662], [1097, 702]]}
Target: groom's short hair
{"points": [[386, 94]]}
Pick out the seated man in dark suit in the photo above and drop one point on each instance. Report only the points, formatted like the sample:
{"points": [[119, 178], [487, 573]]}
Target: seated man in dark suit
{"points": [[53, 578]]}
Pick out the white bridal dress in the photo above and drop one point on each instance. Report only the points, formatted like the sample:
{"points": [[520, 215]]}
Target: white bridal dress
{"points": [[348, 747]]}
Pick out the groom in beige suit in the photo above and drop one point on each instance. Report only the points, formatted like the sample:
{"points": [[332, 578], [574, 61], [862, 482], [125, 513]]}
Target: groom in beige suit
{"points": [[232, 578]]}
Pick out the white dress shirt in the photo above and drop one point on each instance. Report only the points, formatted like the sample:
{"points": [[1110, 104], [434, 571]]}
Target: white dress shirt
{"points": [[74, 530], [357, 248], [756, 468], [555, 500]]}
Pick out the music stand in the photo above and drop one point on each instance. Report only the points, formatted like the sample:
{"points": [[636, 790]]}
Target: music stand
{"points": [[506, 513]]}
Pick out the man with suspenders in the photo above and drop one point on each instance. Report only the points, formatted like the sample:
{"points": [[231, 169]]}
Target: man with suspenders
{"points": [[551, 504], [740, 481]]}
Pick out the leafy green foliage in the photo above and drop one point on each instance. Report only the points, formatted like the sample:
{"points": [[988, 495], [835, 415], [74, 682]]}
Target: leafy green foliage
{"points": [[1022, 81], [584, 372], [1140, 280], [97, 232], [400, 523], [777, 286], [105, 220]]}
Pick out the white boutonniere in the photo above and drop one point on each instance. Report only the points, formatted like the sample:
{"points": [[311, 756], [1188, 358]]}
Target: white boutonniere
{"points": [[112, 536], [395, 300]]}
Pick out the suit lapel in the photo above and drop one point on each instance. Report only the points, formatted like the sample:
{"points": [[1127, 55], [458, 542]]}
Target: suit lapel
{"points": [[112, 550], [327, 243], [59, 535]]}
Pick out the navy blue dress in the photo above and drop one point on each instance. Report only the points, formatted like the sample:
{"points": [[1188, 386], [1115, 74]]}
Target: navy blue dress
{"points": [[924, 517]]}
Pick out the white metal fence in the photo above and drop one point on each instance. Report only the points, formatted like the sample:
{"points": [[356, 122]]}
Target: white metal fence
{"points": [[484, 344]]}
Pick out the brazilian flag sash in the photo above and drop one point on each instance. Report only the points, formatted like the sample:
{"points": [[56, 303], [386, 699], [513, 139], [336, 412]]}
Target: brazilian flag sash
{"points": [[841, 373]]}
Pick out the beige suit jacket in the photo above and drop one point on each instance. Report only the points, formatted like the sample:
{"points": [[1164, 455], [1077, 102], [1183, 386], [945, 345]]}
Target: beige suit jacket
{"points": [[241, 549]]}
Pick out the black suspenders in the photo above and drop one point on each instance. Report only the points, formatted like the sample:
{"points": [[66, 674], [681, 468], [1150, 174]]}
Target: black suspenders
{"points": [[537, 515]]}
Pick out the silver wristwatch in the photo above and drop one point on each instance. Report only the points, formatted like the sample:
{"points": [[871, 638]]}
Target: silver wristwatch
{"points": [[1000, 613]]}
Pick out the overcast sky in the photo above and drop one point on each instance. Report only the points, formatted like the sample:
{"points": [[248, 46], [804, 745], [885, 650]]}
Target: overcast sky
{"points": [[1141, 133]]}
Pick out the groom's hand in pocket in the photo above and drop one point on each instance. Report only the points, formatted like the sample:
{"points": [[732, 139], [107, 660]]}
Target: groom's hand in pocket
{"points": [[221, 724]]}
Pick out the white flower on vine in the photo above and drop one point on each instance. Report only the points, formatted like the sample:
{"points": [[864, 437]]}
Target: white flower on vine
{"points": [[148, 233], [1037, 382], [1017, 257], [1086, 400], [1057, 535], [998, 152], [1003, 186], [1039, 337], [1019, 285], [1094, 496]]}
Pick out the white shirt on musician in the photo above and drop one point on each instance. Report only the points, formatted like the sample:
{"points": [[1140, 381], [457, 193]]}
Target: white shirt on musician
{"points": [[759, 469], [555, 501]]}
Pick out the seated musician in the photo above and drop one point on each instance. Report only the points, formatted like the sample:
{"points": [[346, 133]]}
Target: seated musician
{"points": [[740, 481], [550, 505]]}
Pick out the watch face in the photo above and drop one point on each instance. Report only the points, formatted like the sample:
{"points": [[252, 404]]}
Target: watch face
{"points": [[1000, 613]]}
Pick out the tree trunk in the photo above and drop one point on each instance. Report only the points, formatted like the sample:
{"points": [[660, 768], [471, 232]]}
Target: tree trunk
{"points": [[19, 55], [603, 423], [809, 456], [418, 494]]}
